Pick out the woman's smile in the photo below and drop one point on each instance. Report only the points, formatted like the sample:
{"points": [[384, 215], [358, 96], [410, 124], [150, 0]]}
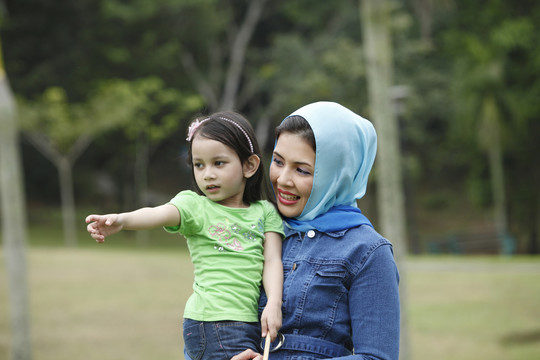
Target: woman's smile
{"points": [[287, 198]]}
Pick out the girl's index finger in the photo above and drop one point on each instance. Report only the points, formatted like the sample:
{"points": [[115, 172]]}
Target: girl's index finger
{"points": [[91, 218]]}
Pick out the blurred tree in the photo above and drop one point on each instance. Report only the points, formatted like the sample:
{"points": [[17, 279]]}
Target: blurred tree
{"points": [[62, 131], [490, 93], [13, 221], [377, 31], [303, 56], [294, 52], [236, 59], [53, 43]]}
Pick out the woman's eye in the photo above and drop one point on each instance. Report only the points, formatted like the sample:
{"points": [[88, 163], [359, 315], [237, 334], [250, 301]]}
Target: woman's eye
{"points": [[303, 172], [220, 163], [278, 162], [198, 165]]}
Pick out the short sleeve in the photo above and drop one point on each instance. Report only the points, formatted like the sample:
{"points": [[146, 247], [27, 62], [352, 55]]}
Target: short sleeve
{"points": [[188, 203], [273, 221]]}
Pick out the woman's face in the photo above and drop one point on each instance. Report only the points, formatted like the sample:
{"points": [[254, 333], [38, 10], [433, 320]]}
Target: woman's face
{"points": [[291, 173]]}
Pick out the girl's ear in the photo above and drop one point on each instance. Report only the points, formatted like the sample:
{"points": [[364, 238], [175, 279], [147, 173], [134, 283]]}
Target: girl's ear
{"points": [[251, 165]]}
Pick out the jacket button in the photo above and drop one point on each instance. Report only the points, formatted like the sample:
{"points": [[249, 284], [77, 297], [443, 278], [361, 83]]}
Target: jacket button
{"points": [[294, 266], [311, 234]]}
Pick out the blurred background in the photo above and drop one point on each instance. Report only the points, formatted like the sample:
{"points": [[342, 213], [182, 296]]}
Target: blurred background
{"points": [[104, 91]]}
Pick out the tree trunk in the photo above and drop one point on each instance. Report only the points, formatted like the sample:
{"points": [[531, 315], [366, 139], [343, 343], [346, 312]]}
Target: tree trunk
{"points": [[376, 26], [68, 202], [490, 140], [206, 85], [64, 164], [141, 182], [13, 223], [238, 54]]}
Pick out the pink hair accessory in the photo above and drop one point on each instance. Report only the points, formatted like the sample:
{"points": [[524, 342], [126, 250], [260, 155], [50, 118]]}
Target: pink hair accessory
{"points": [[193, 127], [241, 129], [196, 124]]}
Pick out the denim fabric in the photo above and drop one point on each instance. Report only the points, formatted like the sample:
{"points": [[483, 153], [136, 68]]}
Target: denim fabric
{"points": [[340, 288], [219, 340]]}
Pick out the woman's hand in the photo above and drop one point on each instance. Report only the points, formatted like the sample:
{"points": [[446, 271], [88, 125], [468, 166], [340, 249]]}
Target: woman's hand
{"points": [[248, 355]]}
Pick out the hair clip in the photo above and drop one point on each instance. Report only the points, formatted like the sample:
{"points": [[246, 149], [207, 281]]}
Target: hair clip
{"points": [[196, 124], [193, 127]]}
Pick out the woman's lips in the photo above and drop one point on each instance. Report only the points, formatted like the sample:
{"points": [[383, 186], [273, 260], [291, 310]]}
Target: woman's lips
{"points": [[287, 198]]}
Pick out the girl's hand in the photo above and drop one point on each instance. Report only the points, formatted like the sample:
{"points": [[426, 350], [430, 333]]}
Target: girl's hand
{"points": [[248, 355], [101, 226], [271, 320]]}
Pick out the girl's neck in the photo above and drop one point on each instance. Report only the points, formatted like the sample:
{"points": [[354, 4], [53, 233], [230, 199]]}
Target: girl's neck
{"points": [[231, 203]]}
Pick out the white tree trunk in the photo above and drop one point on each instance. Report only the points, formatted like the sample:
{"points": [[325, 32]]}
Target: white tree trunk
{"points": [[13, 224], [490, 139], [64, 164], [376, 26], [141, 182], [68, 202]]}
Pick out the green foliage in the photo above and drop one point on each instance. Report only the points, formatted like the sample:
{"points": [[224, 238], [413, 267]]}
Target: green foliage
{"points": [[323, 68], [86, 67], [142, 106], [495, 60], [159, 111], [63, 123]]}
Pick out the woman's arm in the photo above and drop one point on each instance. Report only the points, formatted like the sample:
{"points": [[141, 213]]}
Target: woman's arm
{"points": [[101, 226], [273, 284], [374, 308]]}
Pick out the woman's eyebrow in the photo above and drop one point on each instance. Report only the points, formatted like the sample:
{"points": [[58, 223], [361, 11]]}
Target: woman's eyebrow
{"points": [[294, 162]]}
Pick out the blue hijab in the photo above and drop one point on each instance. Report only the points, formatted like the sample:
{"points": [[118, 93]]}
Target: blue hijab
{"points": [[346, 146]]}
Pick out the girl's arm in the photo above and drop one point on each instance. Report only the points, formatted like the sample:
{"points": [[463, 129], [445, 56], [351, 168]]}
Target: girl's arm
{"points": [[273, 284], [101, 226]]}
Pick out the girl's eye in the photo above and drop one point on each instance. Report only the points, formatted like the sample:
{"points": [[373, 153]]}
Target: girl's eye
{"points": [[198, 165], [220, 163]]}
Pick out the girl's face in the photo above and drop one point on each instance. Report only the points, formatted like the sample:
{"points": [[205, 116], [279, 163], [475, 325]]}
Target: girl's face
{"points": [[218, 172], [291, 173]]}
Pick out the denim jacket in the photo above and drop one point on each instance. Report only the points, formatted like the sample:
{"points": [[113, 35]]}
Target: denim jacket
{"points": [[340, 296]]}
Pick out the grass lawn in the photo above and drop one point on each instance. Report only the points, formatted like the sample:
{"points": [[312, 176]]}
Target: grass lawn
{"points": [[108, 302]]}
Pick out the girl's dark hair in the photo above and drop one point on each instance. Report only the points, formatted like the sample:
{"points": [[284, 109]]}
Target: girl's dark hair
{"points": [[226, 127], [297, 125]]}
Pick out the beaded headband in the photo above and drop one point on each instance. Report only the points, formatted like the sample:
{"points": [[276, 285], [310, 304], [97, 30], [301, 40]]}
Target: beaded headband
{"points": [[196, 124]]}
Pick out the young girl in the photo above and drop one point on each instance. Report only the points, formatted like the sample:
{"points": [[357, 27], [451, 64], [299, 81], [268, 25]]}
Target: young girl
{"points": [[230, 233]]}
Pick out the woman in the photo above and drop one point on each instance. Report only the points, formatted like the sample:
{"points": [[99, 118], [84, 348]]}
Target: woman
{"points": [[340, 294]]}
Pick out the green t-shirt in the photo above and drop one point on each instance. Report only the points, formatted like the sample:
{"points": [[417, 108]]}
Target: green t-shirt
{"points": [[226, 247]]}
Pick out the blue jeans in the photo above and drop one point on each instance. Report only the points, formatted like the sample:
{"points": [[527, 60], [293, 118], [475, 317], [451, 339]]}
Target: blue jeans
{"points": [[220, 339]]}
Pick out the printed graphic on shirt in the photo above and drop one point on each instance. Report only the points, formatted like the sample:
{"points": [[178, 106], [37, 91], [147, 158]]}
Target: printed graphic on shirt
{"points": [[230, 235]]}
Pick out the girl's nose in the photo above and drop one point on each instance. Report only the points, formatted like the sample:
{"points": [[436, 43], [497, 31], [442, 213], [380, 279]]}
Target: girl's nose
{"points": [[208, 175]]}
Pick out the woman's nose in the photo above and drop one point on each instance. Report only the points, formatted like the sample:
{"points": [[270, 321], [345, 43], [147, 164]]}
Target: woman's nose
{"points": [[284, 178]]}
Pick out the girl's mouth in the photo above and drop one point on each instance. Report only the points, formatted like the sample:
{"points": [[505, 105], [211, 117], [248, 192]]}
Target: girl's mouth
{"points": [[287, 198], [212, 188]]}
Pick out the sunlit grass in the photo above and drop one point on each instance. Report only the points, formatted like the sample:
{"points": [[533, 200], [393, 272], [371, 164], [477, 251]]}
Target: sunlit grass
{"points": [[121, 301], [104, 304], [475, 308]]}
